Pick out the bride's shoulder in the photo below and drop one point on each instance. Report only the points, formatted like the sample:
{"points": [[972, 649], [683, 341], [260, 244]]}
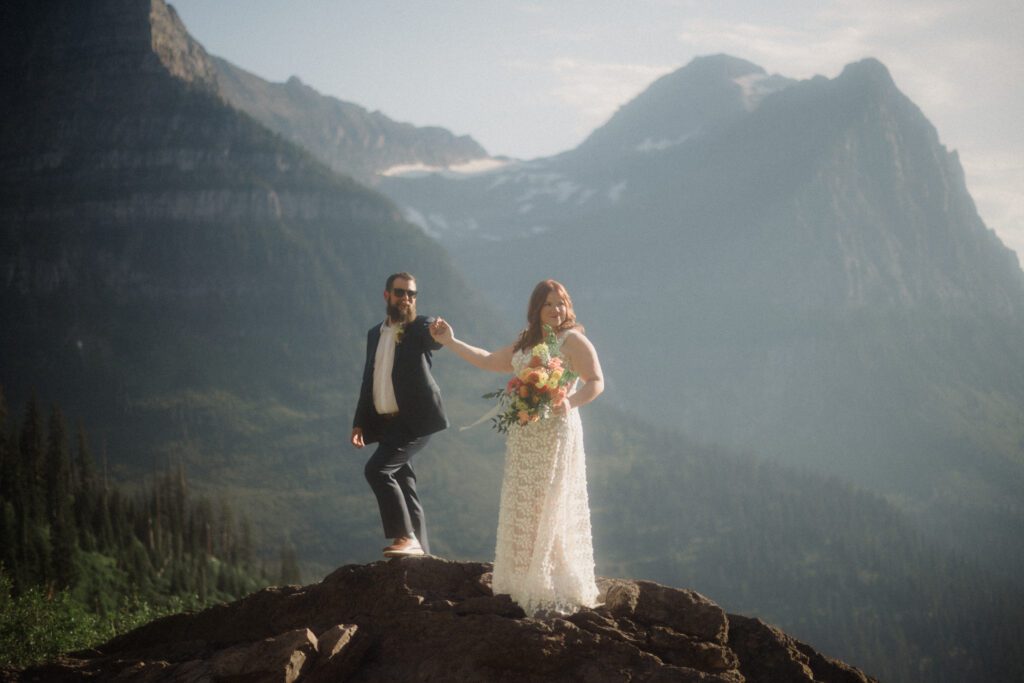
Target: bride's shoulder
{"points": [[574, 337]]}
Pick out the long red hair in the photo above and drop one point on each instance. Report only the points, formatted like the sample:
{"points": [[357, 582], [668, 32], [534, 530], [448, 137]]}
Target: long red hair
{"points": [[534, 332]]}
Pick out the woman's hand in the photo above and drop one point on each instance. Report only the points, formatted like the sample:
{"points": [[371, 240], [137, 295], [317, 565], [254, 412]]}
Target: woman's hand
{"points": [[442, 332], [561, 407]]}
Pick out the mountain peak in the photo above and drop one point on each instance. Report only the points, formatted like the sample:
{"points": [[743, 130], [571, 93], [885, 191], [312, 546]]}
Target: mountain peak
{"points": [[705, 93], [722, 65], [869, 67], [62, 43], [180, 54], [432, 619], [867, 73]]}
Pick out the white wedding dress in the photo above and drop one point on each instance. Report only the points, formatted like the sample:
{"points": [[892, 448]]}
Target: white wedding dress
{"points": [[545, 556]]}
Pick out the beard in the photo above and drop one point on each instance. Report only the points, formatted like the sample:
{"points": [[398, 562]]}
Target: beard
{"points": [[397, 314]]}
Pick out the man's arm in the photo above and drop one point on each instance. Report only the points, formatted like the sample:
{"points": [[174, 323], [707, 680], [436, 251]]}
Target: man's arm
{"points": [[423, 332]]}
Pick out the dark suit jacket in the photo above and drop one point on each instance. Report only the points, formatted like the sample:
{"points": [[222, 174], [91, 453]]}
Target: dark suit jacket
{"points": [[419, 400]]}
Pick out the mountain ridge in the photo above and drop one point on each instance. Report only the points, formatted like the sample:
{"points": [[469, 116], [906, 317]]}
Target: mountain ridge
{"points": [[344, 135]]}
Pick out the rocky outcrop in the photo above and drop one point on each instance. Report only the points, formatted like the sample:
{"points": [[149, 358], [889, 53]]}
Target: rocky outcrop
{"points": [[420, 619]]}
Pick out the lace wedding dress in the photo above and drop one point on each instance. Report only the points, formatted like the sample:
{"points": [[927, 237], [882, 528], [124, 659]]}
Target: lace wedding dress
{"points": [[545, 557]]}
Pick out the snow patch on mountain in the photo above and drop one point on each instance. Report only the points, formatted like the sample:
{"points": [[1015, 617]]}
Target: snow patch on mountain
{"points": [[756, 86], [456, 171], [438, 225], [549, 184], [651, 145]]}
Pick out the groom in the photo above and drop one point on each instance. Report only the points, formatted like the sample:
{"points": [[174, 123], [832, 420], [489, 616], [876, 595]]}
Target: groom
{"points": [[399, 408]]}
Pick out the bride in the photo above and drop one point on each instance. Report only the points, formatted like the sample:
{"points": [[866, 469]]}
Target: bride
{"points": [[544, 557]]}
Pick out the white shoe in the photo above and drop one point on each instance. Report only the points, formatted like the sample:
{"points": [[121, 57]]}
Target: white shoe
{"points": [[404, 547]]}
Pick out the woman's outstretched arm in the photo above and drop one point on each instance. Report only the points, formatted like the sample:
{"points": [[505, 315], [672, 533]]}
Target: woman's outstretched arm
{"points": [[496, 361]]}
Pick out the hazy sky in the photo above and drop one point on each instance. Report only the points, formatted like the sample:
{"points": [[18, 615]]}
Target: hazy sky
{"points": [[529, 79]]}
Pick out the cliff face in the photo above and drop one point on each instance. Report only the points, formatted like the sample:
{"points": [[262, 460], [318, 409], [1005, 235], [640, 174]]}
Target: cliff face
{"points": [[426, 619]]}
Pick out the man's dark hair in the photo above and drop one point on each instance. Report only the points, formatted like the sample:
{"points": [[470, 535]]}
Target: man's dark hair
{"points": [[396, 276]]}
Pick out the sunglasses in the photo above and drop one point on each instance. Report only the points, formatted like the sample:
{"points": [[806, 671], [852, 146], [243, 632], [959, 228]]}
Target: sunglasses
{"points": [[399, 292]]}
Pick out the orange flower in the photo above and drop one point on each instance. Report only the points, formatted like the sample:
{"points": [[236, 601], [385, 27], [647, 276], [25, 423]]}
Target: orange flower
{"points": [[535, 362]]}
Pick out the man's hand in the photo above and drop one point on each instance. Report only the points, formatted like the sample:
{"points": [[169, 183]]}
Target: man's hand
{"points": [[357, 437], [441, 331]]}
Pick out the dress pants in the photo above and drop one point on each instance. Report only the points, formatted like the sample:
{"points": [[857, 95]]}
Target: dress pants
{"points": [[390, 475]]}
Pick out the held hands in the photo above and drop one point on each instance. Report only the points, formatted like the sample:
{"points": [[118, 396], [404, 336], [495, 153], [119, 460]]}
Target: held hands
{"points": [[441, 331]]}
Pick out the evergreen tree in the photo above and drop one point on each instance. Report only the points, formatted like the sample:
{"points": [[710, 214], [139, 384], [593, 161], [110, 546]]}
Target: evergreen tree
{"points": [[245, 551], [85, 464], [103, 524], [9, 487], [8, 535], [177, 502], [85, 492], [33, 463], [203, 528], [38, 555], [58, 469], [226, 535], [120, 520], [59, 507], [7, 459], [289, 573]]}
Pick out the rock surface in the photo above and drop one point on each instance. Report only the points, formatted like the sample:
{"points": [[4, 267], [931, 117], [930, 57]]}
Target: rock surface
{"points": [[428, 619]]}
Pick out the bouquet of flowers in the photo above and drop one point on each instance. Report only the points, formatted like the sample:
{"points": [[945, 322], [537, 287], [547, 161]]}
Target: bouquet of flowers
{"points": [[530, 394]]}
